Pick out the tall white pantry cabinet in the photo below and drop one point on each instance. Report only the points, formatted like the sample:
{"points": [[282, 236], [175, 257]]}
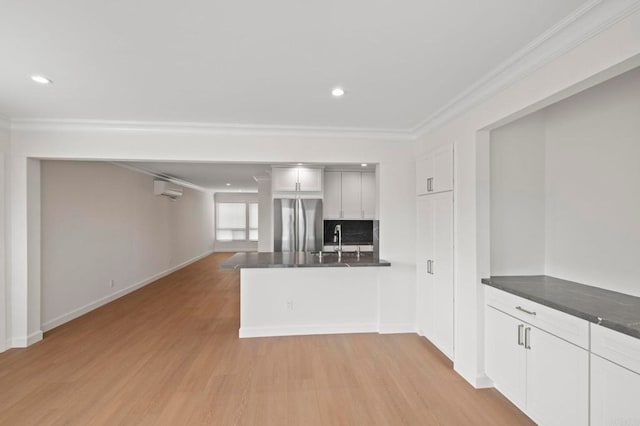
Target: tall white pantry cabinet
{"points": [[434, 251]]}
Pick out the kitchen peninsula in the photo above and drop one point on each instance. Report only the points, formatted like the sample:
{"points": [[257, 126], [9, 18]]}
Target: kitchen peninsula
{"points": [[295, 293]]}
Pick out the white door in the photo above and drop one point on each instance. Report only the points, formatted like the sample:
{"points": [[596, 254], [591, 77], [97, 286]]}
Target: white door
{"points": [[310, 179], [614, 394], [442, 169], [424, 171], [442, 270], [284, 179], [331, 207], [424, 279], [505, 358], [351, 195], [557, 380], [368, 195]]}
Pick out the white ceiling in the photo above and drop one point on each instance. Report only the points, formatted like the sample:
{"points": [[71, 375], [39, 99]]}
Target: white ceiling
{"points": [[257, 62]]}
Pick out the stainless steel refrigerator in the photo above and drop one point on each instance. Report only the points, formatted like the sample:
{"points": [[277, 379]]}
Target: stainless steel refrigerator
{"points": [[297, 224]]}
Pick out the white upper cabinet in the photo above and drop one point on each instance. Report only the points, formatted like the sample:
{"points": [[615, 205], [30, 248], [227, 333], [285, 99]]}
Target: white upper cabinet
{"points": [[369, 195], [291, 179], [349, 195], [309, 180], [332, 204], [434, 173]]}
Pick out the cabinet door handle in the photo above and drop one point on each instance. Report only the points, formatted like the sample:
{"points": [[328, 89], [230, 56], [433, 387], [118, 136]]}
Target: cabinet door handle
{"points": [[430, 266], [527, 338], [520, 328], [520, 308]]}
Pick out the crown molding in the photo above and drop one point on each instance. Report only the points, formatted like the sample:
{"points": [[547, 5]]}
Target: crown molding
{"points": [[587, 21], [590, 19], [29, 124]]}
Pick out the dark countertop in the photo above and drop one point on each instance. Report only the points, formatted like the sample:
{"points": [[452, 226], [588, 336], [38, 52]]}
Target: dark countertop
{"points": [[617, 311], [299, 260]]}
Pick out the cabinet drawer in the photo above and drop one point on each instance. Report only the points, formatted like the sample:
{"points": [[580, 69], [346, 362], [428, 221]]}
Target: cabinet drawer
{"points": [[565, 326], [620, 348]]}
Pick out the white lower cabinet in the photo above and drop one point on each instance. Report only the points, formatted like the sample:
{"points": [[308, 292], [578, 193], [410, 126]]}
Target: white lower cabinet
{"points": [[614, 394], [434, 268], [506, 359], [544, 375], [615, 378], [557, 381]]}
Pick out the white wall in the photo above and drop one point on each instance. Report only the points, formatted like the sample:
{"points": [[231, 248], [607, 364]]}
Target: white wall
{"points": [[101, 222], [518, 197], [593, 186], [565, 189], [396, 287], [236, 197], [610, 52], [4, 314]]}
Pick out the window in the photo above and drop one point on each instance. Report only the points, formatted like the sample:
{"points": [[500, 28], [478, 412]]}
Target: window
{"points": [[237, 221]]}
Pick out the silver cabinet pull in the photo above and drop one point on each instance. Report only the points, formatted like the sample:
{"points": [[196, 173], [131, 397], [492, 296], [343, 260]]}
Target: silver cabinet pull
{"points": [[520, 328], [527, 338], [430, 266], [520, 308], [429, 184]]}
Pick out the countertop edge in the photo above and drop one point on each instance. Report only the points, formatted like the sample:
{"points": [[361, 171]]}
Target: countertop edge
{"points": [[381, 263], [621, 328]]}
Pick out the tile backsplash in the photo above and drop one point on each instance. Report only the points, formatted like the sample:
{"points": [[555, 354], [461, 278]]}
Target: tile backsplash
{"points": [[354, 232]]}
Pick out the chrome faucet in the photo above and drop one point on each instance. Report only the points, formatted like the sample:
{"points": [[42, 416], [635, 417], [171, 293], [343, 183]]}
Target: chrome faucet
{"points": [[337, 237]]}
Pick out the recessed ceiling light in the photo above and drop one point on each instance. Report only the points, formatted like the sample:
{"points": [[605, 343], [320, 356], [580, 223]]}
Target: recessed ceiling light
{"points": [[228, 184], [364, 164], [299, 164], [337, 92], [41, 79]]}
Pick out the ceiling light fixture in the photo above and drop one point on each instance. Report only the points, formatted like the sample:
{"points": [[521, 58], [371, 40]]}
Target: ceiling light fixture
{"points": [[364, 164], [299, 164], [228, 184], [41, 79], [337, 92]]}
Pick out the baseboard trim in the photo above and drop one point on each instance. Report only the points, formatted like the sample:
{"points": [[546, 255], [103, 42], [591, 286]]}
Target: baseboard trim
{"points": [[58, 321], [23, 342], [397, 328], [478, 381], [482, 381], [303, 330]]}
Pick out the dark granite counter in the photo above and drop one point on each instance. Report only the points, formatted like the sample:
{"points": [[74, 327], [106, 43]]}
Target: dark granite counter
{"points": [[610, 309], [300, 260]]}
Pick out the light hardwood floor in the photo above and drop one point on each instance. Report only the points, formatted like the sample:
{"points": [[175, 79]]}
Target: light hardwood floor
{"points": [[170, 354]]}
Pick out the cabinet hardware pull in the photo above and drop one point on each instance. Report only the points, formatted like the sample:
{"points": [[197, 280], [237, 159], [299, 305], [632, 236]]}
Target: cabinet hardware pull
{"points": [[520, 308], [428, 266], [527, 338], [520, 328]]}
